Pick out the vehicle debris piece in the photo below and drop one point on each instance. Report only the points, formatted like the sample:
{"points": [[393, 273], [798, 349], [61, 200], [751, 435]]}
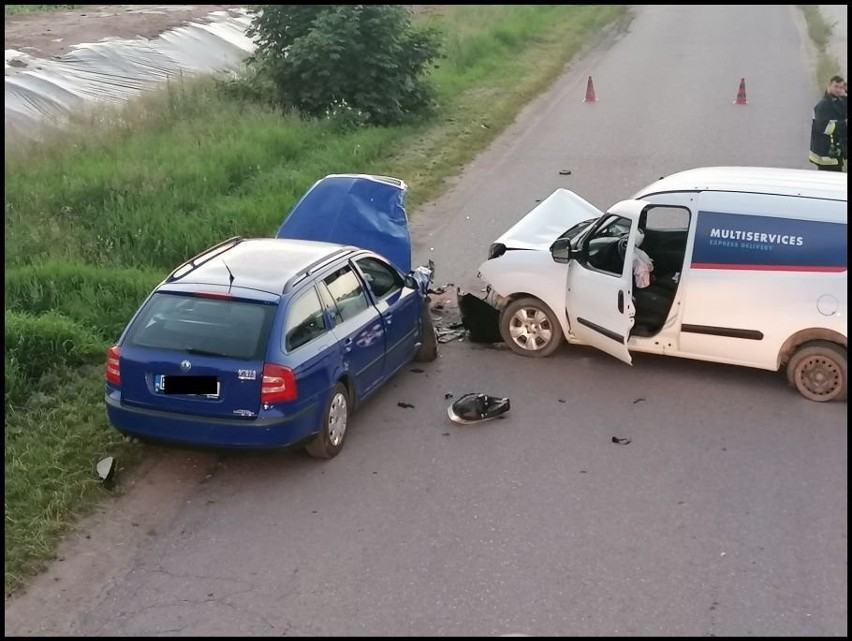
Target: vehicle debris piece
{"points": [[620, 441], [106, 469], [479, 318], [455, 331], [404, 405], [476, 407]]}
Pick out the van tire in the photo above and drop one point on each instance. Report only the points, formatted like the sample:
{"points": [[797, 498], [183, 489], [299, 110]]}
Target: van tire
{"points": [[528, 322], [428, 350], [818, 371], [328, 442]]}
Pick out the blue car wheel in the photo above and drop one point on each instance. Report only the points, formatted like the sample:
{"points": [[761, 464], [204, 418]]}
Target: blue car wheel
{"points": [[329, 440]]}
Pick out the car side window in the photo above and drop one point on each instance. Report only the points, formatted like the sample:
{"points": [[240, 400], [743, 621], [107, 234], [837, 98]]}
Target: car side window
{"points": [[382, 278], [347, 293], [305, 320], [328, 303]]}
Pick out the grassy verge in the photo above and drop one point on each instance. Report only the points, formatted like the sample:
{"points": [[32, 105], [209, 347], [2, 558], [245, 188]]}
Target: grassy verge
{"points": [[97, 215], [820, 32], [17, 9]]}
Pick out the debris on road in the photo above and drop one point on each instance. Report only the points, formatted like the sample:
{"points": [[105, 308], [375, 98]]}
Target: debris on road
{"points": [[479, 318], [477, 407]]}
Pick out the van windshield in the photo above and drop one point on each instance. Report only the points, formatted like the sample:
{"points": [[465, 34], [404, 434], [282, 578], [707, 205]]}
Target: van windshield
{"points": [[208, 326]]}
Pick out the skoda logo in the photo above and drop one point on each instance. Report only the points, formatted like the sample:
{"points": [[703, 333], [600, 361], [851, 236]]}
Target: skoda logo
{"points": [[185, 366]]}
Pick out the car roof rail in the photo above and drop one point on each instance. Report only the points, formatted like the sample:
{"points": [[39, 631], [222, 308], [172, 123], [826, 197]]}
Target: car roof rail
{"points": [[208, 254], [314, 267]]}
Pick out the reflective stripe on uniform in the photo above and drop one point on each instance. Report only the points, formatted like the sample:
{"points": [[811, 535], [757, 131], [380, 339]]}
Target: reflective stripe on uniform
{"points": [[822, 160]]}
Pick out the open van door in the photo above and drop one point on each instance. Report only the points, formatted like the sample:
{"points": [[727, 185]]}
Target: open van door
{"points": [[599, 297]]}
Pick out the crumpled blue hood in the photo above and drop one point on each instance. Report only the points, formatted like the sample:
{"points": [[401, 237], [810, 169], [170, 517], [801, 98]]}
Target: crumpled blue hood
{"points": [[354, 209]]}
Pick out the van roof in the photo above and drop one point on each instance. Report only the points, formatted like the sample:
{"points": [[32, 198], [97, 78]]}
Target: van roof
{"points": [[778, 181]]}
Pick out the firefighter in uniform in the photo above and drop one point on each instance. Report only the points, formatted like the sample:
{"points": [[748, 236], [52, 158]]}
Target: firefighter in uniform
{"points": [[829, 128]]}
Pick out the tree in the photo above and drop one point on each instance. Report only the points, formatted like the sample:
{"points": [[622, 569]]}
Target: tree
{"points": [[368, 59]]}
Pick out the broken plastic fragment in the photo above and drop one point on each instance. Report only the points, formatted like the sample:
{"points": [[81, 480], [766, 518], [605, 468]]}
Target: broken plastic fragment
{"points": [[106, 469], [620, 441]]}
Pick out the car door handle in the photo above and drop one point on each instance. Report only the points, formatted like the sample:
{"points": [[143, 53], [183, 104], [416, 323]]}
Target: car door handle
{"points": [[347, 345], [388, 318], [621, 301]]}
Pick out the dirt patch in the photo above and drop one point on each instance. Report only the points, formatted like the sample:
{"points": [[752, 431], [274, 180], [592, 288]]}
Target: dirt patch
{"points": [[55, 33], [103, 545]]}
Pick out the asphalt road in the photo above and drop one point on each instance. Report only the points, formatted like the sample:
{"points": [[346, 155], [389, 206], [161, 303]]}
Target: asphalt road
{"points": [[725, 514]]}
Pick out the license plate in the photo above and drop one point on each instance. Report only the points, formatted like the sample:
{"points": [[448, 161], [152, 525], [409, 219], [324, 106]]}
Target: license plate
{"points": [[207, 386]]}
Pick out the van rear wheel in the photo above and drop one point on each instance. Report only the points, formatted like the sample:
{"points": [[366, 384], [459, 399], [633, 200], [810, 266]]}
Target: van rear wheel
{"points": [[818, 371]]}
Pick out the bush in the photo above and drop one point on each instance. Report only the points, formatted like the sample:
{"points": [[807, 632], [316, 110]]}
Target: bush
{"points": [[368, 58]]}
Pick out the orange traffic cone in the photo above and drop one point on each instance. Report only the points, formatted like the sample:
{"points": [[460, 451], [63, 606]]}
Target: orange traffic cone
{"points": [[741, 94], [590, 91]]}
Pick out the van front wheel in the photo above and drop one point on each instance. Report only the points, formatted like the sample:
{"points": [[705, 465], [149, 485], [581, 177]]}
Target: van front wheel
{"points": [[818, 371], [529, 328]]}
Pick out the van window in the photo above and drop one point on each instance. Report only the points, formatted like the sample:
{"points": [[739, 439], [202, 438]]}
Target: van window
{"points": [[666, 218], [666, 230], [602, 245]]}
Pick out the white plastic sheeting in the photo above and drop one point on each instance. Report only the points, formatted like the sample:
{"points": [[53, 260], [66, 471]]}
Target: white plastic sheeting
{"points": [[40, 90]]}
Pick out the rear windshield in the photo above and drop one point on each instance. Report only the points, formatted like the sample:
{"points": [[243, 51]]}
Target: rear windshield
{"points": [[208, 326]]}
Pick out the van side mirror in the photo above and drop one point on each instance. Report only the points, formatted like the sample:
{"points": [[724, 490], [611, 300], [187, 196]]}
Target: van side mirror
{"points": [[561, 251]]}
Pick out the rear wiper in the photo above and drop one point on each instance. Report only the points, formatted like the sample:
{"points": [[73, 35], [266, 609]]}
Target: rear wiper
{"points": [[202, 352]]}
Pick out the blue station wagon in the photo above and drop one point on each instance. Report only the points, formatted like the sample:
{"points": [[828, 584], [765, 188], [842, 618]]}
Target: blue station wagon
{"points": [[272, 342]]}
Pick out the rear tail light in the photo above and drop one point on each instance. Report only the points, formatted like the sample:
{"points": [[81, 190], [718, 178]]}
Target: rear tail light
{"points": [[279, 384], [113, 370]]}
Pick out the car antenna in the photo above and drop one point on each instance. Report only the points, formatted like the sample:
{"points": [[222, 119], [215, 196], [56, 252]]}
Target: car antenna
{"points": [[230, 276]]}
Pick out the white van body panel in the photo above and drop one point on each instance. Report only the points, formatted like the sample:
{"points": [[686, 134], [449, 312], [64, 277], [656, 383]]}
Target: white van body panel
{"points": [[804, 183], [760, 296]]}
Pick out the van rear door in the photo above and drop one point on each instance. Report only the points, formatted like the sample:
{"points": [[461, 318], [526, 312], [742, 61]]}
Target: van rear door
{"points": [[600, 282]]}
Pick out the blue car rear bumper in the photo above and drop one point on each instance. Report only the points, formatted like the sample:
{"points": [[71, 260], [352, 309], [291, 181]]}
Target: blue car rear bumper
{"points": [[272, 431]]}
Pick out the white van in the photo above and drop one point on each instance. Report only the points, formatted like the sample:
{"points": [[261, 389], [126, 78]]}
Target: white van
{"points": [[747, 267]]}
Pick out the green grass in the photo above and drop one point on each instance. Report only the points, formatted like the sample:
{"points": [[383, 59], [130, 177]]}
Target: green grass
{"points": [[18, 9], [820, 32], [97, 215]]}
